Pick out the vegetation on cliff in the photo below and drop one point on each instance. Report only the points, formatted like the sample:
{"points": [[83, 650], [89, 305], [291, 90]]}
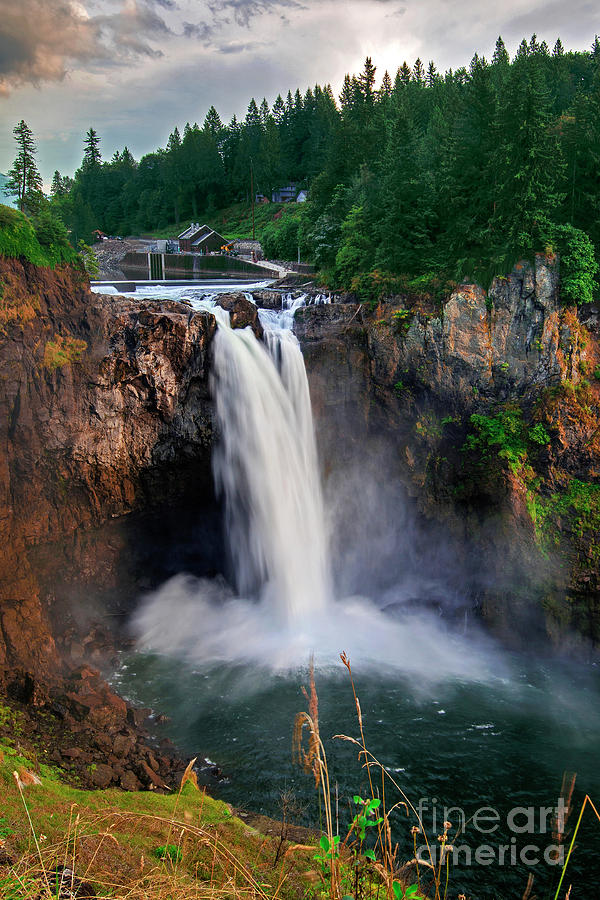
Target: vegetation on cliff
{"points": [[42, 240]]}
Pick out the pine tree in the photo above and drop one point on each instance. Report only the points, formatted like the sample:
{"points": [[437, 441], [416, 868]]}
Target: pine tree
{"points": [[386, 86], [500, 57], [530, 162], [252, 119], [418, 72], [289, 105], [174, 141], [264, 112], [91, 155], [367, 81], [432, 74], [56, 188], [279, 110], [559, 50], [404, 204], [347, 95], [404, 73], [24, 179]]}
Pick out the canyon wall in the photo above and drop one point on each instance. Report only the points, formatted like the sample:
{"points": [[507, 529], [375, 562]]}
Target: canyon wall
{"points": [[514, 487], [105, 414]]}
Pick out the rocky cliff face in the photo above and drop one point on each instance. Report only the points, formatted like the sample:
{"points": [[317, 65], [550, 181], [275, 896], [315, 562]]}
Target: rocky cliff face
{"points": [[105, 414], [513, 356]]}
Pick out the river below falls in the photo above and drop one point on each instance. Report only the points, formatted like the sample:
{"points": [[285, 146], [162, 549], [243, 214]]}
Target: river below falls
{"points": [[502, 744]]}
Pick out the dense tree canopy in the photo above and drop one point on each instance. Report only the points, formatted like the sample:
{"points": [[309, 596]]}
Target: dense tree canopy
{"points": [[422, 172]]}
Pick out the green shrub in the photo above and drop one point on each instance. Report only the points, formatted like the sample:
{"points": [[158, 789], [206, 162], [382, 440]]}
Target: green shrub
{"points": [[539, 435], [578, 505], [506, 436], [42, 241], [53, 237], [18, 237], [578, 266], [282, 237]]}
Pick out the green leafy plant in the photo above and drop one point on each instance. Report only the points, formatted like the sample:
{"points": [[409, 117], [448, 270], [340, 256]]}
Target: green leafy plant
{"points": [[538, 435], [89, 258], [328, 850], [412, 892], [506, 436], [168, 851], [402, 319]]}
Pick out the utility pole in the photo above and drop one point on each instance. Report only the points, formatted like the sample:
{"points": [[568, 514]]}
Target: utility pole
{"points": [[252, 192]]}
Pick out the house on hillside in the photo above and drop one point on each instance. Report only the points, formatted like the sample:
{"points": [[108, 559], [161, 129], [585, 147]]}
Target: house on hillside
{"points": [[302, 197], [210, 242], [191, 234], [202, 239], [285, 194]]}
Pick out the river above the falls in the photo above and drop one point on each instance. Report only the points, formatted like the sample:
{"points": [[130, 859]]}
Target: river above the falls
{"points": [[457, 721]]}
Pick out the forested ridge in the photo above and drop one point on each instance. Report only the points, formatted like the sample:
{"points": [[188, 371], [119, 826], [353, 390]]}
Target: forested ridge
{"points": [[419, 174]]}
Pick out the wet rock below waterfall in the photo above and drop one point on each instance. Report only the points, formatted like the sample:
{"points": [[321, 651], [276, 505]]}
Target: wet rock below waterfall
{"points": [[97, 739]]}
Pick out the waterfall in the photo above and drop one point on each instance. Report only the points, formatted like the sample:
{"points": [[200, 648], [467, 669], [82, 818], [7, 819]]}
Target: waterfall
{"points": [[283, 604], [266, 466]]}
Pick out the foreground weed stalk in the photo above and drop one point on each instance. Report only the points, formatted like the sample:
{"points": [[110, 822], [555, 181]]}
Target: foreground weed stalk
{"points": [[587, 799]]}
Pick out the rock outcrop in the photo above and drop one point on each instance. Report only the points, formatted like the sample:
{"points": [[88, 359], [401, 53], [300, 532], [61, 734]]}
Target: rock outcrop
{"points": [[414, 374], [242, 312], [105, 413]]}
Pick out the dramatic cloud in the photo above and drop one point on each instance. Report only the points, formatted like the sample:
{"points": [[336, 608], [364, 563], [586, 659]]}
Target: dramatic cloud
{"points": [[245, 10], [133, 69], [41, 39]]}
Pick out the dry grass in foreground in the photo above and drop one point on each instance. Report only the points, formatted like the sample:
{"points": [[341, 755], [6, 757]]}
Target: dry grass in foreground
{"points": [[57, 842]]}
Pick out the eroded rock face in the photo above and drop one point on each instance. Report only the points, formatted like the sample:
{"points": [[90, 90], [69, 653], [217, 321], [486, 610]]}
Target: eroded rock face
{"points": [[506, 342], [105, 416], [105, 409], [415, 377]]}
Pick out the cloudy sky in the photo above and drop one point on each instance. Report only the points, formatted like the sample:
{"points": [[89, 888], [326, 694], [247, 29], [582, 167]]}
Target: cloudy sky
{"points": [[133, 69]]}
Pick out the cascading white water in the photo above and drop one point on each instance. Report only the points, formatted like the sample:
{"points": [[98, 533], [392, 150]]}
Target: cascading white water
{"points": [[266, 464]]}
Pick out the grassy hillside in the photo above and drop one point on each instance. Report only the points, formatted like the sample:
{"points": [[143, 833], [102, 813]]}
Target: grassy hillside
{"points": [[129, 845]]}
